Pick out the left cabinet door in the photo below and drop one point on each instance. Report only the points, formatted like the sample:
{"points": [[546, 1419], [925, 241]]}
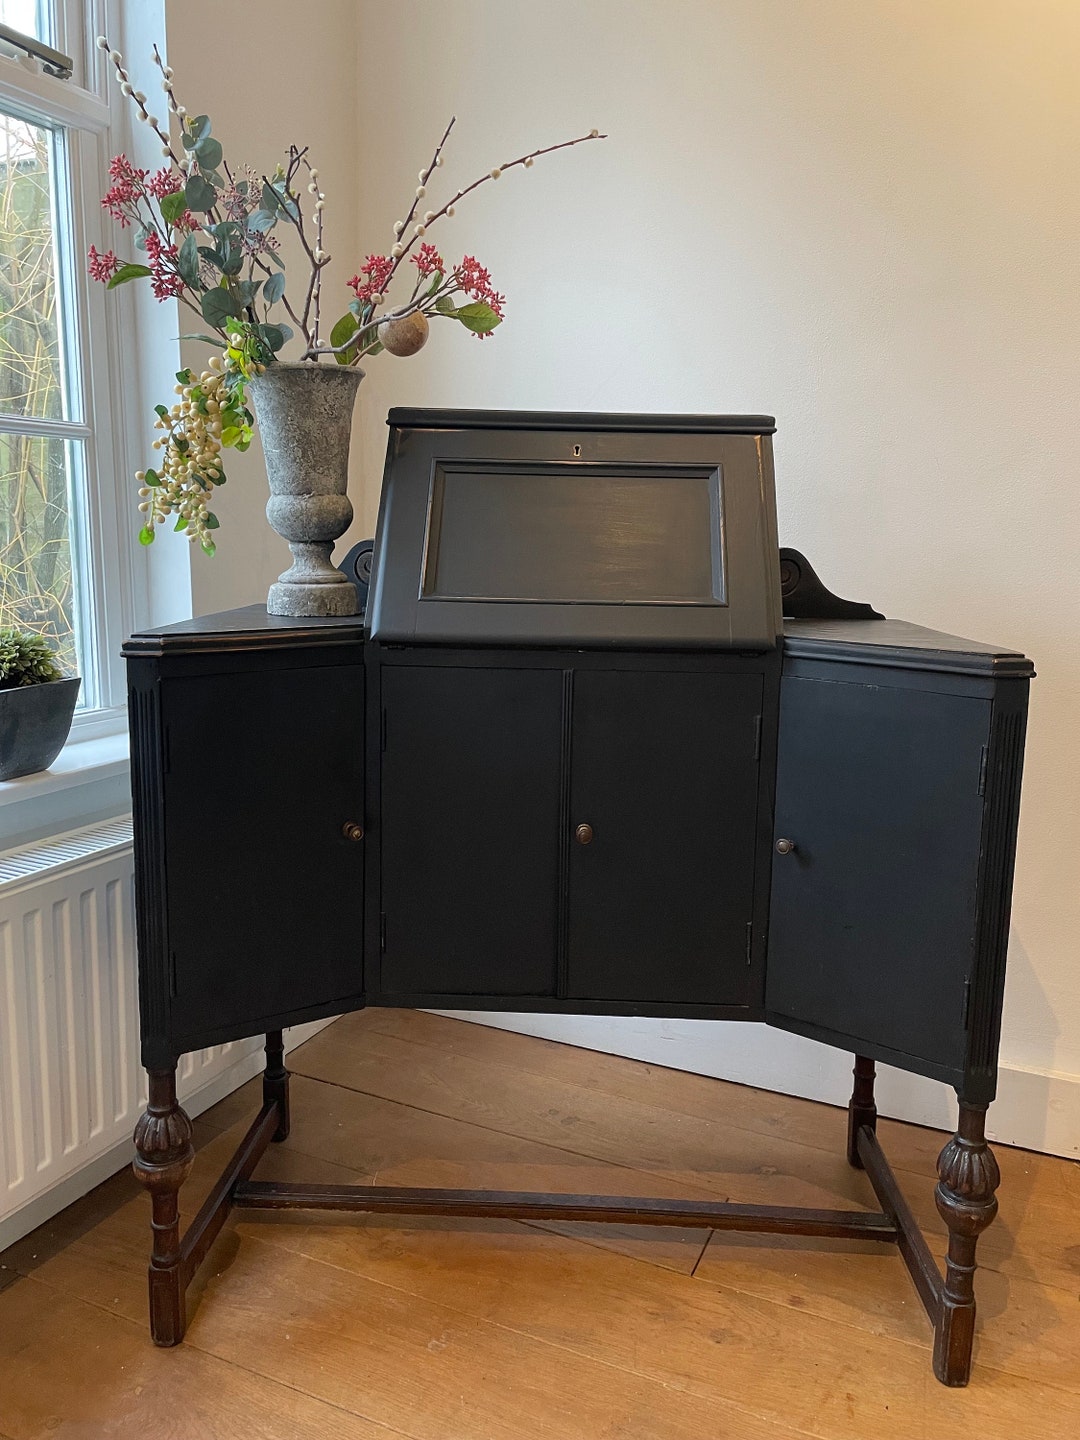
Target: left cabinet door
{"points": [[263, 772]]}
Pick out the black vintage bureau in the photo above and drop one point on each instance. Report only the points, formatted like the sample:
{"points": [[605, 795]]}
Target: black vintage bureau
{"points": [[597, 746]]}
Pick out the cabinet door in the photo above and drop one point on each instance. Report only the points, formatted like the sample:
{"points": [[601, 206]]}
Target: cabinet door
{"points": [[661, 898], [265, 892], [470, 830], [872, 919]]}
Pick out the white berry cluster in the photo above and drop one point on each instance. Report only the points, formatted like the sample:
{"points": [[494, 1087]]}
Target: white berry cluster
{"points": [[190, 464]]}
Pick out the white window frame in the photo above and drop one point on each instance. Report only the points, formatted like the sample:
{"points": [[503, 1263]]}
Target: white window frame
{"points": [[110, 396]]}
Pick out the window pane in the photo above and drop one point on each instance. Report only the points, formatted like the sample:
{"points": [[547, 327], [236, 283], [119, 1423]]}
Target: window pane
{"points": [[29, 17], [30, 365], [36, 574]]}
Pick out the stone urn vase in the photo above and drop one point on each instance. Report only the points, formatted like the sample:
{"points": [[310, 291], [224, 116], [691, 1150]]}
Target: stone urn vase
{"points": [[304, 412]]}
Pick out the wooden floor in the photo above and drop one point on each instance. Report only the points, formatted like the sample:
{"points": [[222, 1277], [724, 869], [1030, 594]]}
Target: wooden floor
{"points": [[480, 1330]]}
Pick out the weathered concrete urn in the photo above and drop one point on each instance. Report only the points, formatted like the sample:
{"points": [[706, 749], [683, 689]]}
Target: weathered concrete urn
{"points": [[304, 413]]}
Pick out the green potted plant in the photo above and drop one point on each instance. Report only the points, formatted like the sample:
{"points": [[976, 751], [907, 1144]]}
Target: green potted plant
{"points": [[36, 703]]}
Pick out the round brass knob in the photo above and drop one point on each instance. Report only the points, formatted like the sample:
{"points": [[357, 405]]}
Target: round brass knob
{"points": [[785, 847], [584, 834], [352, 831]]}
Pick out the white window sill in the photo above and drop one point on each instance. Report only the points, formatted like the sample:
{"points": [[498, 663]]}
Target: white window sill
{"points": [[88, 781]]}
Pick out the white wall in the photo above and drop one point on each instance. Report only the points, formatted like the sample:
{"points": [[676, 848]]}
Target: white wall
{"points": [[281, 73], [861, 218]]}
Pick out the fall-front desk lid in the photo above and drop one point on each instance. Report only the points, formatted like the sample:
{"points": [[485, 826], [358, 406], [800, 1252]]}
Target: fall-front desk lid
{"points": [[533, 528]]}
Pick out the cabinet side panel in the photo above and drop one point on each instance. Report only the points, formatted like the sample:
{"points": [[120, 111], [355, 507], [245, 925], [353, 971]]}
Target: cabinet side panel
{"points": [[1004, 767], [144, 720]]}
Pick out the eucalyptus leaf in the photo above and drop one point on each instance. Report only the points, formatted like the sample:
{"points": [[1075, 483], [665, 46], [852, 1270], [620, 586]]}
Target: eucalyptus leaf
{"points": [[173, 206], [272, 336], [199, 128], [218, 306], [187, 261], [232, 261], [270, 198], [245, 291], [273, 288], [199, 194], [208, 152], [140, 238], [126, 273], [262, 220]]}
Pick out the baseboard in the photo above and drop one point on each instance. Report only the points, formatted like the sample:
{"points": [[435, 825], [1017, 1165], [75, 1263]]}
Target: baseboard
{"points": [[43, 1207], [1035, 1109]]}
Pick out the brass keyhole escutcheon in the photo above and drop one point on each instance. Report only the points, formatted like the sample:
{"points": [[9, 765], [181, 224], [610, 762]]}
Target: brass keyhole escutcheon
{"points": [[352, 831], [584, 834]]}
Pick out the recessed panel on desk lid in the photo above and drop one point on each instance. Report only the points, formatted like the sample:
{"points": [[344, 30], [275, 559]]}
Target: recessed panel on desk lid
{"points": [[579, 536]]}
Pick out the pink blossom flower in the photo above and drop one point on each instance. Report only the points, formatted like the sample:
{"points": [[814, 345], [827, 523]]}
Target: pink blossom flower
{"points": [[471, 277], [165, 181], [102, 267], [428, 260], [128, 188], [373, 278]]}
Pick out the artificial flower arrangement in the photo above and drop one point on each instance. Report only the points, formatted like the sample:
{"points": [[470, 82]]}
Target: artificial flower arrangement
{"points": [[210, 232]]}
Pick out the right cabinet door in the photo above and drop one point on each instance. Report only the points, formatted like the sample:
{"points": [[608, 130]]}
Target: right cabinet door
{"points": [[664, 776], [873, 912]]}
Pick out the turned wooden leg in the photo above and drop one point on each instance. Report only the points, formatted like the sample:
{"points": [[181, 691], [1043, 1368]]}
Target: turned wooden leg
{"points": [[968, 1175], [861, 1109], [276, 1082], [163, 1159]]}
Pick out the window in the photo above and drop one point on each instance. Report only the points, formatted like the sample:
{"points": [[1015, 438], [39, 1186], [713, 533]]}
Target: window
{"points": [[67, 565]]}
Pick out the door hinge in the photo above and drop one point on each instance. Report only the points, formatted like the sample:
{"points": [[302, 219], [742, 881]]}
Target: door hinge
{"points": [[382, 933], [757, 737], [749, 942], [982, 769], [967, 1001]]}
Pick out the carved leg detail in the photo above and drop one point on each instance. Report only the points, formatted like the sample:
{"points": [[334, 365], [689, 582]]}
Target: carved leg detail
{"points": [[276, 1082], [968, 1175], [163, 1159], [861, 1108]]}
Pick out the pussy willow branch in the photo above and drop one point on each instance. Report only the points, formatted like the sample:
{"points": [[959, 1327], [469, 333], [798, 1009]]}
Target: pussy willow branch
{"points": [[425, 177], [491, 175]]}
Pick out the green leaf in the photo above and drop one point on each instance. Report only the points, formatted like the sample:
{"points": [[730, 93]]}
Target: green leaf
{"points": [[181, 523], [199, 195], [140, 238], [212, 522], [270, 197], [161, 411], [126, 273], [478, 317], [273, 288], [218, 306], [208, 152], [344, 330], [209, 339], [445, 305], [262, 220], [232, 261], [245, 291], [198, 129], [146, 535], [272, 336], [208, 546], [375, 349], [173, 206], [151, 477], [230, 434], [436, 281], [276, 258], [187, 262]]}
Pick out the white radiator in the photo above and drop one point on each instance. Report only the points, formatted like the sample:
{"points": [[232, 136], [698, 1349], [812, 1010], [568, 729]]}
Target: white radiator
{"points": [[71, 1086]]}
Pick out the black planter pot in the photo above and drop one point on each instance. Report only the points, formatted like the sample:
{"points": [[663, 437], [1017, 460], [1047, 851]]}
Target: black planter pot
{"points": [[34, 723]]}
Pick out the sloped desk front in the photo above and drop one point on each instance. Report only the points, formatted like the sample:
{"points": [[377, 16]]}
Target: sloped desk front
{"points": [[820, 838]]}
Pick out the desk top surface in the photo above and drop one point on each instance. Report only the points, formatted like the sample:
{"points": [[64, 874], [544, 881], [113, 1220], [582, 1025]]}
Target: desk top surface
{"points": [[881, 642]]}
